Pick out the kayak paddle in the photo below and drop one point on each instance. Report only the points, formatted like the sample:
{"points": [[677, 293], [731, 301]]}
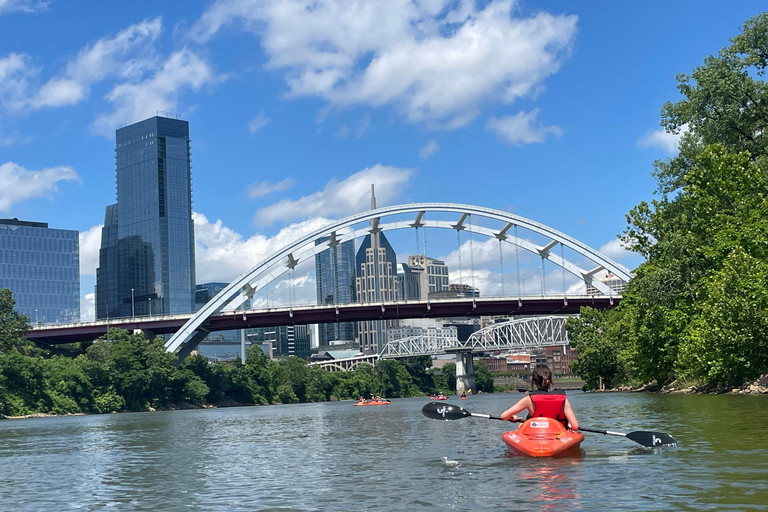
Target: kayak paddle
{"points": [[649, 439], [447, 412]]}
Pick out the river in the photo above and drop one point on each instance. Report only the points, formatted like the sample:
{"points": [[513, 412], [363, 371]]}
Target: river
{"points": [[335, 457]]}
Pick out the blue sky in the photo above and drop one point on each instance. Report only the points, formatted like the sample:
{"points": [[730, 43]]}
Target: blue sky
{"points": [[547, 109]]}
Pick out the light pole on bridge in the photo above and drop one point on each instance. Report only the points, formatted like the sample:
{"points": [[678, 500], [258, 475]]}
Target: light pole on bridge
{"points": [[133, 309]]}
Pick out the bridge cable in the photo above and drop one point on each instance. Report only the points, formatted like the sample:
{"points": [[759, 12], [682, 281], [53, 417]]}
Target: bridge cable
{"points": [[461, 272], [501, 266], [471, 258], [562, 269], [543, 280], [517, 261]]}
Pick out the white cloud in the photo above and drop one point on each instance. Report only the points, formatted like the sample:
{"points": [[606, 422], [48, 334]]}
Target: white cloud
{"points": [[160, 92], [16, 73], [19, 184], [521, 129], [27, 6], [264, 188], [260, 121], [429, 149], [222, 254], [340, 198], [437, 61], [90, 243], [88, 307], [615, 250], [662, 139], [128, 55]]}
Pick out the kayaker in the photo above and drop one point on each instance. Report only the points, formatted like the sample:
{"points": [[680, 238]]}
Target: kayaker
{"points": [[543, 402]]}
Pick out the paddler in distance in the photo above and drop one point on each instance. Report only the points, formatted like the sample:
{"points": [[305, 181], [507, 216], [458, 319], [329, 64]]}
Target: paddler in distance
{"points": [[543, 402]]}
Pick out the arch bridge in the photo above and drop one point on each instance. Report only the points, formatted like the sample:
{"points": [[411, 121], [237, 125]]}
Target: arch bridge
{"points": [[462, 218]]}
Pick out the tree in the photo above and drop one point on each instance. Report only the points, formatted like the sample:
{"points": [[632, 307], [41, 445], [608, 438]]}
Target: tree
{"points": [[483, 377], [599, 354], [13, 325], [724, 104]]}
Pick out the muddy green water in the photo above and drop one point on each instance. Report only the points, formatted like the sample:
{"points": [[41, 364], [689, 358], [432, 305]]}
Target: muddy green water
{"points": [[333, 456]]}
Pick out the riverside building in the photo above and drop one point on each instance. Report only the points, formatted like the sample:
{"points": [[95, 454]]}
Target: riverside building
{"points": [[335, 279], [147, 255], [41, 267]]}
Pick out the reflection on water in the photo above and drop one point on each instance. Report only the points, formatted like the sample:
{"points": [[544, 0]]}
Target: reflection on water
{"points": [[332, 456]]}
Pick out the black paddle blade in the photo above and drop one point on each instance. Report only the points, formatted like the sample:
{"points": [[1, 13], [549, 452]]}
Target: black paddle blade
{"points": [[652, 439], [443, 411]]}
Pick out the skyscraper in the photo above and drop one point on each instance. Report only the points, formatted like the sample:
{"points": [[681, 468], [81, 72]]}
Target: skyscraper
{"points": [[335, 278], [433, 274], [41, 267], [147, 256], [376, 281]]}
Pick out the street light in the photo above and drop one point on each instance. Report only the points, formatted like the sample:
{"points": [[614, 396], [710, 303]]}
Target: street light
{"points": [[150, 306], [133, 310], [37, 318], [524, 286]]}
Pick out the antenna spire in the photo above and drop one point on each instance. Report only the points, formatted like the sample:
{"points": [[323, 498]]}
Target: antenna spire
{"points": [[373, 198]]}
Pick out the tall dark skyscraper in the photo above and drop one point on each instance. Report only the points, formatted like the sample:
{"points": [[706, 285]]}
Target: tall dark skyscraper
{"points": [[335, 278], [147, 256], [376, 265], [41, 267]]}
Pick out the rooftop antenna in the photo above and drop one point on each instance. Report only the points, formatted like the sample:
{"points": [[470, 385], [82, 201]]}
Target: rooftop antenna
{"points": [[373, 198]]}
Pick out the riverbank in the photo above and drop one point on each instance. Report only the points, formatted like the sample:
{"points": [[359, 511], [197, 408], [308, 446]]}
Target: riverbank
{"points": [[757, 387]]}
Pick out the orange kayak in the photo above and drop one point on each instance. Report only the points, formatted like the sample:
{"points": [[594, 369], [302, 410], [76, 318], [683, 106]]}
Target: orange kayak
{"points": [[372, 403], [542, 437]]}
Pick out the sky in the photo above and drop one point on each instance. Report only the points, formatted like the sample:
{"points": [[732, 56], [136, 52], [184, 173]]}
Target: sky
{"points": [[545, 109]]}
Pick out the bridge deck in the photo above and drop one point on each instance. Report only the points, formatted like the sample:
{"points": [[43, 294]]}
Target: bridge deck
{"points": [[72, 333]]}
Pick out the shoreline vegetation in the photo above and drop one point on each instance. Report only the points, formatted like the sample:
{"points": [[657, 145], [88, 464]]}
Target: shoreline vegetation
{"points": [[694, 318]]}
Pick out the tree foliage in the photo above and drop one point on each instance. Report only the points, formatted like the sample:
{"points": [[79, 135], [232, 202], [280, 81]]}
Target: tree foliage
{"points": [[696, 306]]}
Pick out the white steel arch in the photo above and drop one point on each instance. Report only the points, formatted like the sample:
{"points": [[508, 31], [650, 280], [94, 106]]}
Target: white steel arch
{"points": [[245, 285]]}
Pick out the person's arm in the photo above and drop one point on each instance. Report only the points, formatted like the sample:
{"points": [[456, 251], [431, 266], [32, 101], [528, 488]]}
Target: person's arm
{"points": [[573, 423], [523, 404]]}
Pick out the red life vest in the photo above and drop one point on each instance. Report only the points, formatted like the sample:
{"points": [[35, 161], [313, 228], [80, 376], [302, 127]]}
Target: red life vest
{"points": [[550, 404]]}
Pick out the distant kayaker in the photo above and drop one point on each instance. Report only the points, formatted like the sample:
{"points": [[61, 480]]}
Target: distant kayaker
{"points": [[543, 402]]}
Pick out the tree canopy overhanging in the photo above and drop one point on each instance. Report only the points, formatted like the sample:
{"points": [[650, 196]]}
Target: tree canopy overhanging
{"points": [[695, 312]]}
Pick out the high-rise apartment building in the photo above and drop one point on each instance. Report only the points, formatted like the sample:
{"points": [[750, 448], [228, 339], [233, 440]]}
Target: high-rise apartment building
{"points": [[408, 283], [286, 340], [433, 274], [41, 267], [376, 265], [147, 256], [335, 278]]}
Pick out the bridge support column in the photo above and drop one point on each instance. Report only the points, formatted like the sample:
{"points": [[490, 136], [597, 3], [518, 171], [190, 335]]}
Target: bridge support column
{"points": [[465, 372]]}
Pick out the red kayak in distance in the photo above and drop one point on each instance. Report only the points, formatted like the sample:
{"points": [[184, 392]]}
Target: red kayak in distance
{"points": [[542, 437]]}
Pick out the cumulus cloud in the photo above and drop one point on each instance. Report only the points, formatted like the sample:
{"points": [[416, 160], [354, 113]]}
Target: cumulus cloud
{"points": [[183, 69], [260, 121], [437, 61], [662, 139], [27, 6], [345, 197], [429, 149], [16, 74], [521, 128], [615, 250], [88, 307], [127, 55], [90, 243], [264, 188], [221, 254], [20, 184]]}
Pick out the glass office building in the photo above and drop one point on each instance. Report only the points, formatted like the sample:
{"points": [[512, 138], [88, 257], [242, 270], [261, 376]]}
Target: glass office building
{"points": [[147, 257], [335, 280], [41, 267]]}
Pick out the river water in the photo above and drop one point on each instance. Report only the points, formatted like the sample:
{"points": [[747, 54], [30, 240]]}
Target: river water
{"points": [[332, 456]]}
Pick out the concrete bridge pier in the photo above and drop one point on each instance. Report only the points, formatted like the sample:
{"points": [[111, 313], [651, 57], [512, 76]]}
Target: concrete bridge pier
{"points": [[465, 372]]}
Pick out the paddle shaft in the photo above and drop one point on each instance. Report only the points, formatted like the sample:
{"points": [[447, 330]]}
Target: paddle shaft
{"points": [[606, 432]]}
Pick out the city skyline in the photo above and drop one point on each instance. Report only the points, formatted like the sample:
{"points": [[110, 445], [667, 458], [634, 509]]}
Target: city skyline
{"points": [[281, 146]]}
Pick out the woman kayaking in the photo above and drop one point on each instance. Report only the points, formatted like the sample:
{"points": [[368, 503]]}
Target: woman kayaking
{"points": [[542, 402]]}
